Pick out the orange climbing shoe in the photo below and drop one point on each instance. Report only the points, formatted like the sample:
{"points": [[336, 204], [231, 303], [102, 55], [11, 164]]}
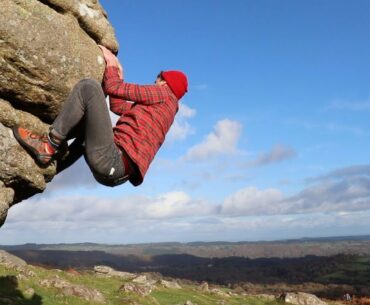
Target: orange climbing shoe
{"points": [[38, 146]]}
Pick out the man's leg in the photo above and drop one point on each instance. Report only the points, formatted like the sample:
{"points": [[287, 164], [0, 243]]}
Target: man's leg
{"points": [[86, 104]]}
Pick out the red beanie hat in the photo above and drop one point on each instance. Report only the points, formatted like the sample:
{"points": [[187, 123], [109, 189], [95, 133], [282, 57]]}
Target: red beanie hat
{"points": [[177, 81]]}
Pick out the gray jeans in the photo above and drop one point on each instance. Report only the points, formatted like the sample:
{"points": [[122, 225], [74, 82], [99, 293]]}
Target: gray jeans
{"points": [[86, 109]]}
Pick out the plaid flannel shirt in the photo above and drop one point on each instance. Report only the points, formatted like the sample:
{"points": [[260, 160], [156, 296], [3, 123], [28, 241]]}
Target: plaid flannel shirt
{"points": [[146, 114]]}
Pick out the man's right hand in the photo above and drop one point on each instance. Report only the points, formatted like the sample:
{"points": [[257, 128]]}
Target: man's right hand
{"points": [[109, 57], [111, 60]]}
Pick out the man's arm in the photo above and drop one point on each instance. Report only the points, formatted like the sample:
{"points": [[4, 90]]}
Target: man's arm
{"points": [[142, 94], [118, 105], [114, 86]]}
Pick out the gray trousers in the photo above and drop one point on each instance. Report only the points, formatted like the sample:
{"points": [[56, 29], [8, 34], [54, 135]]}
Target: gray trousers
{"points": [[87, 111]]}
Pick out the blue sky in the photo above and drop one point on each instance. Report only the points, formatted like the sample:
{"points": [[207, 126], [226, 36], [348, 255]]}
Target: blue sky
{"points": [[271, 142]]}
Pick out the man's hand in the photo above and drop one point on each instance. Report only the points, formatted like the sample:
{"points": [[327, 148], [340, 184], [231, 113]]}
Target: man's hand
{"points": [[111, 60], [109, 57]]}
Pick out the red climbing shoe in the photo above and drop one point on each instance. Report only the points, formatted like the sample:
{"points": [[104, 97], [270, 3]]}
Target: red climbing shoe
{"points": [[39, 146]]}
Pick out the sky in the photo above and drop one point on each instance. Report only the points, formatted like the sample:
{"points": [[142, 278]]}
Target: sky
{"points": [[272, 141]]}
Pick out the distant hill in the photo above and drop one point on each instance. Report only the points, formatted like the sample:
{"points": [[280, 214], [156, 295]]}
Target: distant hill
{"points": [[324, 246], [340, 269]]}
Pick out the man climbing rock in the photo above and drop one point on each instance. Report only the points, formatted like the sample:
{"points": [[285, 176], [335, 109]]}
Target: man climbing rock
{"points": [[124, 153]]}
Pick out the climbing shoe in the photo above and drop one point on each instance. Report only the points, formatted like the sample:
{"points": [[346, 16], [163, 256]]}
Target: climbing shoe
{"points": [[38, 146]]}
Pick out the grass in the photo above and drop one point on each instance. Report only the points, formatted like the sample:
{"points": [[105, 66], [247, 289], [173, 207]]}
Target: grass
{"points": [[14, 291], [174, 296]]}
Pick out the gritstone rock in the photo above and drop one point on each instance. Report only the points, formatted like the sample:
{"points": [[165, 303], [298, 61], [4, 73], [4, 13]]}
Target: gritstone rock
{"points": [[11, 260], [301, 298], [169, 284], [139, 289], [46, 47], [68, 289], [109, 272]]}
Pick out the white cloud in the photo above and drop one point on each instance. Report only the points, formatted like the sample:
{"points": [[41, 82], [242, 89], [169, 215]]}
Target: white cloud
{"points": [[223, 140], [347, 195], [252, 201], [181, 128], [79, 222], [350, 171], [177, 204], [342, 191], [277, 154], [186, 112], [340, 201], [95, 209], [352, 194]]}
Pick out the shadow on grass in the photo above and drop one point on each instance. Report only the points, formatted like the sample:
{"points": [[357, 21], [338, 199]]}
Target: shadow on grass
{"points": [[11, 295]]}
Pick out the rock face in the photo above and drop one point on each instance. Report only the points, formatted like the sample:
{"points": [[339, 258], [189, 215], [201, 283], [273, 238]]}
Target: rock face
{"points": [[46, 47]]}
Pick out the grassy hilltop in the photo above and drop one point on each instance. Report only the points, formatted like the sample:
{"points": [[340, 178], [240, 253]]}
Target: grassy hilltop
{"points": [[27, 286], [235, 274]]}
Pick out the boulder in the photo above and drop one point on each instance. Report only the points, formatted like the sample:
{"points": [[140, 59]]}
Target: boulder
{"points": [[169, 284], [136, 288], [11, 261], [68, 289], [301, 298], [144, 279], [204, 286], [46, 47], [109, 272]]}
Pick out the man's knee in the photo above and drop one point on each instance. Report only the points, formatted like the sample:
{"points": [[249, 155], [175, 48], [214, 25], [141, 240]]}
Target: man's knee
{"points": [[88, 86], [89, 82]]}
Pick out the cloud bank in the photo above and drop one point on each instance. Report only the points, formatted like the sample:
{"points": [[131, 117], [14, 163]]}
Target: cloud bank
{"points": [[338, 194]]}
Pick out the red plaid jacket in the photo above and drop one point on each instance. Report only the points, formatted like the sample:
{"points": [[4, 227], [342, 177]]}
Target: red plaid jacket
{"points": [[143, 122]]}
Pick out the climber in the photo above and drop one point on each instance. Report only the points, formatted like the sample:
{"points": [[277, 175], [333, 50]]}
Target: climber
{"points": [[126, 151]]}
